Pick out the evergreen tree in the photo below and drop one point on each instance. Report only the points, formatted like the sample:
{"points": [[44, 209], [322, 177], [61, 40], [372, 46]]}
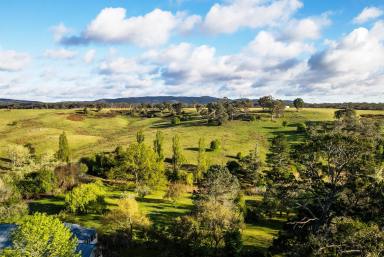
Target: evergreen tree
{"points": [[177, 156], [140, 136], [63, 154], [202, 163], [279, 176], [158, 146]]}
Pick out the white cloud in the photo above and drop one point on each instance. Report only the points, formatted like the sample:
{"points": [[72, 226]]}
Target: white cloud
{"points": [[306, 28], [121, 65], [229, 17], [13, 61], [61, 53], [369, 13], [89, 56], [112, 25], [59, 31]]}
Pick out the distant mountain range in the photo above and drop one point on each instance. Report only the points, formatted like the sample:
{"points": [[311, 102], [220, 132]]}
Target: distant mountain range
{"points": [[161, 99]]}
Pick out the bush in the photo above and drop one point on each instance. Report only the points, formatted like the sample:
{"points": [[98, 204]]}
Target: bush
{"points": [[215, 145], [36, 183], [252, 118], [175, 121], [142, 190], [86, 198], [186, 178], [285, 123], [239, 155], [301, 127]]}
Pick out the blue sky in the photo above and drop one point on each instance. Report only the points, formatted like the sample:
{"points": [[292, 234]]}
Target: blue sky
{"points": [[81, 50]]}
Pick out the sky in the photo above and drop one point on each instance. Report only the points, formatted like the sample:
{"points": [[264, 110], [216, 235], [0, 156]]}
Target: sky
{"points": [[322, 51]]}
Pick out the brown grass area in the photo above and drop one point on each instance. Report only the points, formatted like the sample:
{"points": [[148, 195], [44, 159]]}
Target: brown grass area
{"points": [[75, 117]]}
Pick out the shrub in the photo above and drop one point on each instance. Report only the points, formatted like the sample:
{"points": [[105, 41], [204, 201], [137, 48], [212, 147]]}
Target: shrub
{"points": [[285, 123], [142, 190], [186, 178], [175, 121], [239, 155], [252, 118], [301, 127], [36, 183], [175, 191], [86, 198], [215, 145]]}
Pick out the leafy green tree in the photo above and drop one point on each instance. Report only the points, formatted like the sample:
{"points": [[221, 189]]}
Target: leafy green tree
{"points": [[279, 177], [63, 154], [18, 155], [177, 156], [298, 103], [140, 136], [36, 183], [127, 217], [266, 102], [142, 162], [42, 235], [158, 146], [86, 198], [202, 162], [277, 109], [175, 191]]}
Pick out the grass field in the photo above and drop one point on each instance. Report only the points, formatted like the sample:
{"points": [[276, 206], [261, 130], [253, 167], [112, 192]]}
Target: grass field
{"points": [[99, 132]]}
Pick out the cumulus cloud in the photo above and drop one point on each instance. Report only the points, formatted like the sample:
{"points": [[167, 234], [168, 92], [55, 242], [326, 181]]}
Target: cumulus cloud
{"points": [[13, 61], [230, 17], [59, 31], [152, 29], [306, 28], [89, 56], [369, 13], [61, 53]]}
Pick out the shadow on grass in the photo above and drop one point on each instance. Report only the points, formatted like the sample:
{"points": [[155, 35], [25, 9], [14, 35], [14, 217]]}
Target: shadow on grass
{"points": [[49, 204]]}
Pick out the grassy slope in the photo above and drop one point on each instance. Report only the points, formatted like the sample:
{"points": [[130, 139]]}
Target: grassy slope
{"points": [[93, 134]]}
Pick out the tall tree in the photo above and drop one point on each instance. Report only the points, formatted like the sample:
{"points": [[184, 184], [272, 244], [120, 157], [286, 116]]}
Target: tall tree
{"points": [[43, 235], [140, 136], [177, 156], [202, 163], [63, 154], [298, 103], [158, 145]]}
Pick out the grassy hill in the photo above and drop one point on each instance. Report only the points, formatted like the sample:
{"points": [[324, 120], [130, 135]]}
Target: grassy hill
{"points": [[103, 131]]}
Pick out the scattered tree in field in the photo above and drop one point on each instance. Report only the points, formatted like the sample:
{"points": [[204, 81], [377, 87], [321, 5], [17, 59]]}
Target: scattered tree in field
{"points": [[298, 103], [247, 169], [175, 121], [266, 102], [177, 156], [277, 109], [202, 162], [215, 145], [219, 185], [63, 154], [279, 177], [86, 198], [42, 235], [177, 108], [142, 162], [175, 191], [36, 183], [140, 136], [18, 155], [127, 217], [346, 113], [158, 146]]}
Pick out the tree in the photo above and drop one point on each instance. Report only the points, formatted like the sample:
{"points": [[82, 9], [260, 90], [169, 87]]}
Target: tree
{"points": [[177, 156], [158, 146], [175, 191], [140, 136], [86, 198], [36, 183], [277, 108], [279, 177], [127, 217], [142, 162], [219, 184], [202, 163], [298, 103], [247, 169], [266, 102], [43, 235], [177, 108], [63, 154], [18, 155]]}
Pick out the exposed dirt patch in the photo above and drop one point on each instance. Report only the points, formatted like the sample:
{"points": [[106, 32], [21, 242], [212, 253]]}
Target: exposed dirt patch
{"points": [[75, 117]]}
